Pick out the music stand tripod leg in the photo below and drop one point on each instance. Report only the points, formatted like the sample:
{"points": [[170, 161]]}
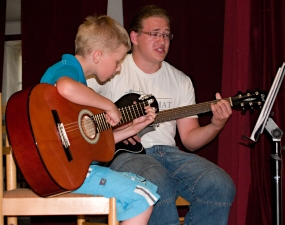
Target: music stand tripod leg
{"points": [[276, 134]]}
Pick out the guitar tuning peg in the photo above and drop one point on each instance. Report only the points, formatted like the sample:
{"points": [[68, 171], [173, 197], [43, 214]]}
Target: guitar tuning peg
{"points": [[256, 91], [248, 92], [239, 94], [243, 111]]}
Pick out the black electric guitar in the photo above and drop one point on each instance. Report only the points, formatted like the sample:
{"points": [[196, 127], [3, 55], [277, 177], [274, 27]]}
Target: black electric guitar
{"points": [[242, 102]]}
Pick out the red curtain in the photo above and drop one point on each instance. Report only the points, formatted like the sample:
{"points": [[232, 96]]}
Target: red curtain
{"points": [[253, 50], [267, 55], [233, 156], [2, 38], [48, 31]]}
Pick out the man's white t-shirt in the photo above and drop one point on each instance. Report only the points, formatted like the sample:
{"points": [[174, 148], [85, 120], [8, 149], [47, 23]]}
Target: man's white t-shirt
{"points": [[168, 85]]}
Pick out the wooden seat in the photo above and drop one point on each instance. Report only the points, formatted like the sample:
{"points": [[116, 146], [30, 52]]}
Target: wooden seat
{"points": [[24, 202], [181, 202]]}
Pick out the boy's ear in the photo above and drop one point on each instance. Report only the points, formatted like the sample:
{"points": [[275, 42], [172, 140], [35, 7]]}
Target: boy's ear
{"points": [[97, 56], [133, 37]]}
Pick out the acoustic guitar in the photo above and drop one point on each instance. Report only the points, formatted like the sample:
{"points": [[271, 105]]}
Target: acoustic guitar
{"points": [[54, 140]]}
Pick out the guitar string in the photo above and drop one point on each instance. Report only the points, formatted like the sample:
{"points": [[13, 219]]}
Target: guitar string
{"points": [[102, 124], [171, 113], [184, 111], [128, 113], [125, 110]]}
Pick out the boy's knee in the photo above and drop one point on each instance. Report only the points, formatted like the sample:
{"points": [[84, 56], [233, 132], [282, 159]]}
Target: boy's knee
{"points": [[150, 169]]}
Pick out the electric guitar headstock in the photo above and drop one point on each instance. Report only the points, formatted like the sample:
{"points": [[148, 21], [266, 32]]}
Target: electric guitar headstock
{"points": [[249, 100]]}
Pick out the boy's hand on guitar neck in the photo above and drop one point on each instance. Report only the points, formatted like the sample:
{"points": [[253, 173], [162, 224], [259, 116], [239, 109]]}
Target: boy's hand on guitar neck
{"points": [[141, 122], [138, 124], [113, 115]]}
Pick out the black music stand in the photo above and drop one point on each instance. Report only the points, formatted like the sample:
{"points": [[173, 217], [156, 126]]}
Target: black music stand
{"points": [[264, 121]]}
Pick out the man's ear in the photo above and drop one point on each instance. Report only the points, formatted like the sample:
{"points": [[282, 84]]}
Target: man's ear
{"points": [[133, 37], [97, 56]]}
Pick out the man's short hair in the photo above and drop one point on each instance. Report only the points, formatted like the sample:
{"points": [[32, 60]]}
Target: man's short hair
{"points": [[145, 13]]}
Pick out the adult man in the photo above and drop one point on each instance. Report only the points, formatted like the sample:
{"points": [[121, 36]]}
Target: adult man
{"points": [[209, 189]]}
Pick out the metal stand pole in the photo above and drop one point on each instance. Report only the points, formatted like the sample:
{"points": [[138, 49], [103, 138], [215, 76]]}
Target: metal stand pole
{"points": [[276, 134]]}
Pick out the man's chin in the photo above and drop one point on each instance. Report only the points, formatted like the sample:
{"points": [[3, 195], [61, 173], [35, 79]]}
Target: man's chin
{"points": [[160, 56]]}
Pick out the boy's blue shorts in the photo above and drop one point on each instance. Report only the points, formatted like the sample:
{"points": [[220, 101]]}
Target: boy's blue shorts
{"points": [[133, 193]]}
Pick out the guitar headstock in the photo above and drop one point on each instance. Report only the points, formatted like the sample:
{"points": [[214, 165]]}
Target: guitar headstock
{"points": [[249, 100], [151, 100]]}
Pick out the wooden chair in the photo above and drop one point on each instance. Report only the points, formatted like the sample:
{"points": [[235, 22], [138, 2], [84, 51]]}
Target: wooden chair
{"points": [[16, 201], [181, 202]]}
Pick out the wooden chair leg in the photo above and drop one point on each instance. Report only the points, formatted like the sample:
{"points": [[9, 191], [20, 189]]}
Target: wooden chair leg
{"points": [[11, 220], [112, 219], [181, 219], [80, 220], [11, 183], [11, 179]]}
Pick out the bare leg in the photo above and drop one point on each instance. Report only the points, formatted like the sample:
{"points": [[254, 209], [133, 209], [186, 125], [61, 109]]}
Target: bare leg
{"points": [[141, 219]]}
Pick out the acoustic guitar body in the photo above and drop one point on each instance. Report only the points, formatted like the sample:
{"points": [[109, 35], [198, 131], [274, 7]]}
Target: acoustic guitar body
{"points": [[33, 118]]}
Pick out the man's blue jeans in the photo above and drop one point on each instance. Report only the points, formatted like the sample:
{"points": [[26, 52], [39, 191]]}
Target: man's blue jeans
{"points": [[208, 188]]}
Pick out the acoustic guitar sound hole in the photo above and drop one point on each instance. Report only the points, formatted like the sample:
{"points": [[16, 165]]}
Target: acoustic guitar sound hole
{"points": [[87, 126]]}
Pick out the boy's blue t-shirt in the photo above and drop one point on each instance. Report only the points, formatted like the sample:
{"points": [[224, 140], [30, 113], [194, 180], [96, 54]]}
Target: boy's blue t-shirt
{"points": [[69, 66]]}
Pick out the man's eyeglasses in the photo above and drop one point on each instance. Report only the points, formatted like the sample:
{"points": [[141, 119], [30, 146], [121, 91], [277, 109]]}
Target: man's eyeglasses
{"points": [[158, 35]]}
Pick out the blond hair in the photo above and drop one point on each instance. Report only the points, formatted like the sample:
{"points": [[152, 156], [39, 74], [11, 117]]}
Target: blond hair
{"points": [[100, 33]]}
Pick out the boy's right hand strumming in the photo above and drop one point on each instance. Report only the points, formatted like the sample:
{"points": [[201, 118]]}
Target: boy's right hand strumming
{"points": [[113, 115]]}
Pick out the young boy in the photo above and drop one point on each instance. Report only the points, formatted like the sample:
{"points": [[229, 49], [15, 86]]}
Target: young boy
{"points": [[101, 44]]}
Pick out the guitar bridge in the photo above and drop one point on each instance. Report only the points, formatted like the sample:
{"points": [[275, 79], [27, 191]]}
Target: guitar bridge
{"points": [[63, 136]]}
